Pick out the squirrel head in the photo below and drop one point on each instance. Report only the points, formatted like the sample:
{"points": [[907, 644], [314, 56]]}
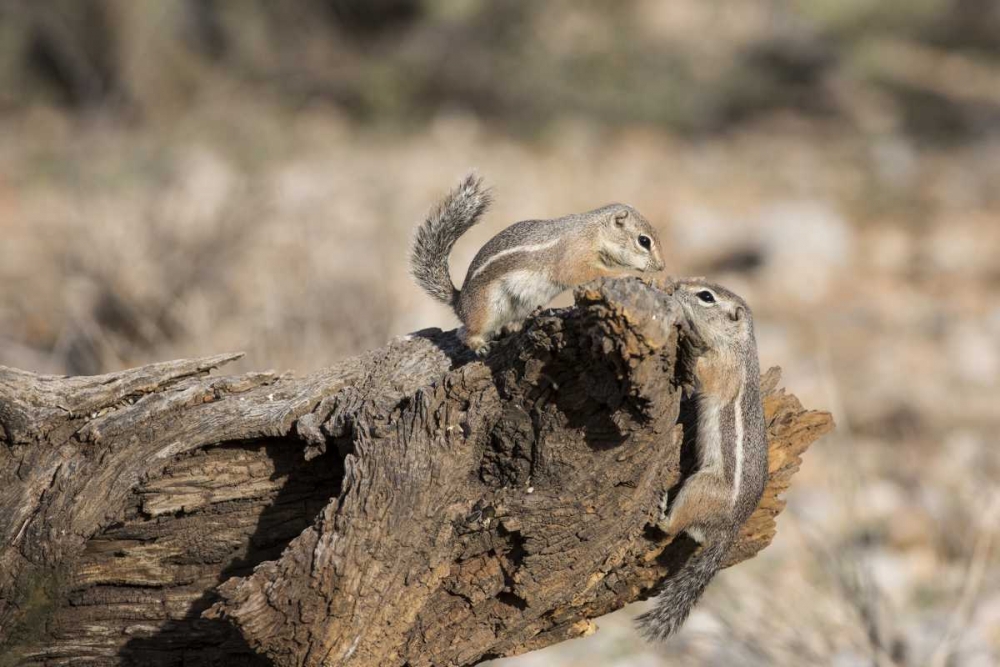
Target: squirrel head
{"points": [[626, 240], [717, 320]]}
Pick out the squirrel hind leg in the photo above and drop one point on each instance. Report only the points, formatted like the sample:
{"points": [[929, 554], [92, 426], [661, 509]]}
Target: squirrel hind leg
{"points": [[484, 309], [702, 500], [478, 327]]}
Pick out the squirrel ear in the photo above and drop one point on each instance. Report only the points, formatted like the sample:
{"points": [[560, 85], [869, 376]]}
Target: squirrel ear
{"points": [[739, 314], [619, 217]]}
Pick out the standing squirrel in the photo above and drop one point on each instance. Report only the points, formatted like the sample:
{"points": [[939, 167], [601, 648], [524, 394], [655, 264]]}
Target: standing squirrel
{"points": [[527, 264], [731, 444]]}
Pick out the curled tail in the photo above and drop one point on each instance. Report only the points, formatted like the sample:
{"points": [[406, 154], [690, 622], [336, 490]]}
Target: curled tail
{"points": [[434, 239], [681, 591]]}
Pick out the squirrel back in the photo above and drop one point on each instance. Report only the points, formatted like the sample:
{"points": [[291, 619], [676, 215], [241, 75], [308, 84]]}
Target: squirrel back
{"points": [[455, 215], [538, 235]]}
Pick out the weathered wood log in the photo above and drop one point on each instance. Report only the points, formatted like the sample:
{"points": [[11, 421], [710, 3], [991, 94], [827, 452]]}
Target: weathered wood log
{"points": [[410, 506]]}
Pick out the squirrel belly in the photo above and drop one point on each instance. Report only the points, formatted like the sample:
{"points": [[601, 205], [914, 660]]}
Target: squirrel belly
{"points": [[527, 264]]}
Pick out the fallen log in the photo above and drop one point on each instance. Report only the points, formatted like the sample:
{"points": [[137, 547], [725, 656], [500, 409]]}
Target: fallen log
{"points": [[413, 505]]}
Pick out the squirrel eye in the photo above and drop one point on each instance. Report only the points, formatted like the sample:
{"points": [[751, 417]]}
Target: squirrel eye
{"points": [[706, 296], [645, 241]]}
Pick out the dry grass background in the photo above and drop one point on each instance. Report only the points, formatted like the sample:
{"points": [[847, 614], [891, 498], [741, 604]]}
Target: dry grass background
{"points": [[835, 162]]}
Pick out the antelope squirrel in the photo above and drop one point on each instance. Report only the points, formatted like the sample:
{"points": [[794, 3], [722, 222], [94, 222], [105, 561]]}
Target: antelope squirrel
{"points": [[527, 264], [731, 444]]}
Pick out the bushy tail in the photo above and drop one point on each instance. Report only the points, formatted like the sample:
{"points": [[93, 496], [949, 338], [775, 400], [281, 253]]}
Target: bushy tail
{"points": [[434, 239], [681, 591]]}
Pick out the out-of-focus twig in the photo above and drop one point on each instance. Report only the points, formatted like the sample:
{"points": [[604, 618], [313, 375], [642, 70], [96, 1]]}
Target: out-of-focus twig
{"points": [[982, 551]]}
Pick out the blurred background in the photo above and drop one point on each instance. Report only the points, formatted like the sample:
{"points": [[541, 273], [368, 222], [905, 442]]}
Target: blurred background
{"points": [[191, 177]]}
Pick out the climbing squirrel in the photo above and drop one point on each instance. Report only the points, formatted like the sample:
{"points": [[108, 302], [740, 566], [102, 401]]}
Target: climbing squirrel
{"points": [[731, 445], [527, 264]]}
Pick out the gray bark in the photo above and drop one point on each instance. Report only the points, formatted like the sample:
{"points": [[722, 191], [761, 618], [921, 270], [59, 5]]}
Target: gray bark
{"points": [[410, 506]]}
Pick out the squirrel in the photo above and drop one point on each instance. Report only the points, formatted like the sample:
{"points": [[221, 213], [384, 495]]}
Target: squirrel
{"points": [[527, 264], [731, 444]]}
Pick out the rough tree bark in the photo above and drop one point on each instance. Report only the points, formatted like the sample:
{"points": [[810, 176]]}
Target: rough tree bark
{"points": [[410, 506]]}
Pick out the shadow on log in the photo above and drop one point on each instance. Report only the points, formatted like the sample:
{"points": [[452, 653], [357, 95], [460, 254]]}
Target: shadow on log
{"points": [[410, 506]]}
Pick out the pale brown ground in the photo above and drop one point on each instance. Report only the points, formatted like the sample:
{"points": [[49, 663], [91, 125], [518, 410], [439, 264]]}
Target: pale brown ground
{"points": [[283, 233]]}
